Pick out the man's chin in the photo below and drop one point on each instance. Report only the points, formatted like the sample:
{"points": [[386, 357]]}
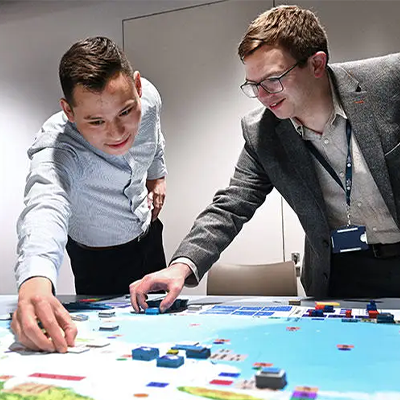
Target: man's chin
{"points": [[116, 152]]}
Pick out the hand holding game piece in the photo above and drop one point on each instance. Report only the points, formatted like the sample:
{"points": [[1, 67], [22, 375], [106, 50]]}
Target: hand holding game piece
{"points": [[37, 302], [170, 279]]}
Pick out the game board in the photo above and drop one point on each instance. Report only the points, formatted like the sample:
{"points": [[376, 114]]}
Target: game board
{"points": [[323, 357]]}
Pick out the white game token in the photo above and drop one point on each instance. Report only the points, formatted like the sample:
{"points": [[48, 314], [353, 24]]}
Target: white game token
{"points": [[106, 313], [80, 348], [109, 327], [98, 343]]}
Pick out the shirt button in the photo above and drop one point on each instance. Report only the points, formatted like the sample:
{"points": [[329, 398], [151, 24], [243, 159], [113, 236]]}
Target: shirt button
{"points": [[359, 204], [342, 174], [326, 141], [374, 229]]}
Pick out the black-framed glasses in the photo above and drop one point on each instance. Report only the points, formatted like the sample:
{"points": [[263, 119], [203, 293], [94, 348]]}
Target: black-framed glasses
{"points": [[270, 85]]}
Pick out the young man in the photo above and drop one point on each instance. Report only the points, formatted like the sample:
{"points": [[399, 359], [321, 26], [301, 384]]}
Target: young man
{"points": [[327, 137], [96, 186]]}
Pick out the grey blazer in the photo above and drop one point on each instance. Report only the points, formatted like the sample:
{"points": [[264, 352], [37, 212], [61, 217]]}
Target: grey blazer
{"points": [[274, 155]]}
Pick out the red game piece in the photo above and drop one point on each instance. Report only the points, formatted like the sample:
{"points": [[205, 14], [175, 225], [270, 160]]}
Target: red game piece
{"points": [[373, 313], [292, 328], [345, 346], [259, 365], [57, 376], [221, 382]]}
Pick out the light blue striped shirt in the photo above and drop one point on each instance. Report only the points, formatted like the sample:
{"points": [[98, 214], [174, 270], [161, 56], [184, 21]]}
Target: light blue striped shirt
{"points": [[78, 190]]}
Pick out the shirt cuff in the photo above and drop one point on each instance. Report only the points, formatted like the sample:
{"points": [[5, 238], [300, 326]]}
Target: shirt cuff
{"points": [[37, 266], [192, 280]]}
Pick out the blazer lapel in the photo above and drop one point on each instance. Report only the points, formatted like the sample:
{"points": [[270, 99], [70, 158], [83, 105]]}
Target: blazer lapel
{"points": [[356, 104], [300, 157]]}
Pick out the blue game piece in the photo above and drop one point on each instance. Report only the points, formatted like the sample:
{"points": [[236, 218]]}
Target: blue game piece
{"points": [[145, 353], [228, 308], [170, 361], [317, 313], [264, 314], [157, 384], [198, 352], [350, 320], [184, 347], [371, 306], [270, 370], [251, 308], [278, 308], [239, 312], [385, 318], [328, 308], [230, 374], [152, 311]]}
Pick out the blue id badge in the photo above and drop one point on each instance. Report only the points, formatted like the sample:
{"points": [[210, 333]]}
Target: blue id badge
{"points": [[349, 238]]}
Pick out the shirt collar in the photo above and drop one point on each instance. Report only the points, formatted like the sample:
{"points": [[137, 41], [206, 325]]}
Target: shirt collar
{"points": [[337, 111]]}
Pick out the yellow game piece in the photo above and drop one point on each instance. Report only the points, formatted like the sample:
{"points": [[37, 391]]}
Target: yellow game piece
{"points": [[306, 389], [327, 303]]}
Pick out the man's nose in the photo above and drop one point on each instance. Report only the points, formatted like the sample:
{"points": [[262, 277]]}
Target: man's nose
{"points": [[262, 94], [116, 129]]}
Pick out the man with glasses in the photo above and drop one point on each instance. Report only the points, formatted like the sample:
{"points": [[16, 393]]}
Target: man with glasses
{"points": [[327, 138]]}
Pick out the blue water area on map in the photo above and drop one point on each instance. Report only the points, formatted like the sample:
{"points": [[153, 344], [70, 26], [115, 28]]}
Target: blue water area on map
{"points": [[309, 355]]}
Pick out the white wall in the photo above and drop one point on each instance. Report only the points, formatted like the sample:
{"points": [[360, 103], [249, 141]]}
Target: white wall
{"points": [[33, 37]]}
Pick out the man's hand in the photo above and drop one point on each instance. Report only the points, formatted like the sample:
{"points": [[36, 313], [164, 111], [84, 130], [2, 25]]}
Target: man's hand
{"points": [[36, 302], [157, 189], [170, 279]]}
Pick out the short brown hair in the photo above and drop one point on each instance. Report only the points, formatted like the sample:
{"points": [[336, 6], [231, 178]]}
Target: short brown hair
{"points": [[91, 63], [296, 30]]}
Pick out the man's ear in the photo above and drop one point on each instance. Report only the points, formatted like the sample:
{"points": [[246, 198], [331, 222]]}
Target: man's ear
{"points": [[67, 109], [138, 82], [318, 61]]}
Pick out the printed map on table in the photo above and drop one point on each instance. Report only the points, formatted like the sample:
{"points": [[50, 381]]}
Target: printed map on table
{"points": [[323, 357]]}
